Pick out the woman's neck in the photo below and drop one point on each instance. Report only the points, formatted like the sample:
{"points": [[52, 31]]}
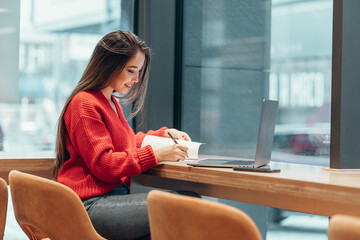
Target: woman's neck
{"points": [[107, 92]]}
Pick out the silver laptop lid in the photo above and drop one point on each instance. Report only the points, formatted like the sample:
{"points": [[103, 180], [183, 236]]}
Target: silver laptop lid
{"points": [[266, 132]]}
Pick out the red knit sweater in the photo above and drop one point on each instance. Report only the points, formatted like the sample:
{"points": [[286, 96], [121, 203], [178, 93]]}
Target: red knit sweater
{"points": [[104, 151]]}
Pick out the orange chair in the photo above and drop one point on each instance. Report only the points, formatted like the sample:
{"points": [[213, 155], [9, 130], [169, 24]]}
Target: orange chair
{"points": [[3, 206], [175, 217], [44, 208], [344, 227]]}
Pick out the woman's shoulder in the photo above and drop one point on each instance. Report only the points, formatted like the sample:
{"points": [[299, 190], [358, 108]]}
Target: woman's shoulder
{"points": [[84, 105], [87, 96], [86, 100]]}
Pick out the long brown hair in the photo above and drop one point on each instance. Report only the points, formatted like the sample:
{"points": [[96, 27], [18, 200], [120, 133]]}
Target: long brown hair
{"points": [[110, 56]]}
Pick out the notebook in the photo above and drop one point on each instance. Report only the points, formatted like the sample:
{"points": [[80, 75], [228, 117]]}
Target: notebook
{"points": [[263, 147]]}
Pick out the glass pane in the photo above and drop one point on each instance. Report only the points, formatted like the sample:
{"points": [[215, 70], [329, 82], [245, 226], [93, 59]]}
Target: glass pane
{"points": [[56, 41], [301, 52], [238, 52]]}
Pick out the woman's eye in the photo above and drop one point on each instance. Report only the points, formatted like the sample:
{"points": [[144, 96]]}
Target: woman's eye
{"points": [[130, 71]]}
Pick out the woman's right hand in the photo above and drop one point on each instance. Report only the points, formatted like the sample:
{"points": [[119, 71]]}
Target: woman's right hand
{"points": [[173, 153]]}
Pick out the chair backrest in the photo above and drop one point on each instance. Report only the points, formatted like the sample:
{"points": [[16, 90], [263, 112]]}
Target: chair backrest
{"points": [[48, 206], [3, 206], [344, 227], [175, 216]]}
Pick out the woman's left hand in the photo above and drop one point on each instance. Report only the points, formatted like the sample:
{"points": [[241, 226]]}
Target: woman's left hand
{"points": [[177, 134]]}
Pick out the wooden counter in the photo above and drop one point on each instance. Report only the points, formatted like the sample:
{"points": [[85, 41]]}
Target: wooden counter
{"points": [[303, 188], [37, 166]]}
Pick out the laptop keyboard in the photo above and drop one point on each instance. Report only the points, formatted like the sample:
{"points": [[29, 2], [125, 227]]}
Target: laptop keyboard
{"points": [[239, 162]]}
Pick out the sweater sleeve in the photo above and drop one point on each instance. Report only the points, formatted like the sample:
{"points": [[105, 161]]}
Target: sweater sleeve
{"points": [[94, 144], [140, 135]]}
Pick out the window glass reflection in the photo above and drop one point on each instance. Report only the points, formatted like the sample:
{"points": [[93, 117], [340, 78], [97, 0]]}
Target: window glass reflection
{"points": [[56, 40], [300, 78], [238, 52]]}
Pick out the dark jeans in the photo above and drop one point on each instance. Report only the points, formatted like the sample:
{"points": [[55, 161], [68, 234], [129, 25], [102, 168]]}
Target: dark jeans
{"points": [[121, 215]]}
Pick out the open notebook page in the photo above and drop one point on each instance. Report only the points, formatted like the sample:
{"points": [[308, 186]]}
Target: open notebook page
{"points": [[157, 142]]}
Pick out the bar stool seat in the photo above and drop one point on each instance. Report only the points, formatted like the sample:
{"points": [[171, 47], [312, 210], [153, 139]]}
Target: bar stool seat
{"points": [[47, 209], [177, 217]]}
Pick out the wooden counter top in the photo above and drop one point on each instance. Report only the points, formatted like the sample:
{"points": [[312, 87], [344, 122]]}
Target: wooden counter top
{"points": [[297, 187]]}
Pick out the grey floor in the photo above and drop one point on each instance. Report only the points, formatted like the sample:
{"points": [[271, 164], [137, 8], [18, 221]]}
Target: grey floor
{"points": [[12, 229], [298, 226], [295, 226]]}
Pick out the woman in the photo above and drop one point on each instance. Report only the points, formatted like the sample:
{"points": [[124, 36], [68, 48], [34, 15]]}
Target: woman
{"points": [[97, 151]]}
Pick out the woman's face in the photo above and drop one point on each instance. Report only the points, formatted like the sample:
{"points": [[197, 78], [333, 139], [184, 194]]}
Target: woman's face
{"points": [[123, 82]]}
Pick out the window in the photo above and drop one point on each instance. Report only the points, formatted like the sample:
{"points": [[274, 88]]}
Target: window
{"points": [[300, 78], [56, 41], [238, 52]]}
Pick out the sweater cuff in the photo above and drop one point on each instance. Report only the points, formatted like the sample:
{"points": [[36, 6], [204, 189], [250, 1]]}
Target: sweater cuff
{"points": [[160, 132], [147, 157]]}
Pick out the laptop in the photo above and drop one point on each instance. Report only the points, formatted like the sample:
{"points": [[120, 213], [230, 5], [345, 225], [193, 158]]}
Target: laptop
{"points": [[263, 147]]}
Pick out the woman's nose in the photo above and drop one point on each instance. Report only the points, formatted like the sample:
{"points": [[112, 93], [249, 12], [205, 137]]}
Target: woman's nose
{"points": [[136, 78]]}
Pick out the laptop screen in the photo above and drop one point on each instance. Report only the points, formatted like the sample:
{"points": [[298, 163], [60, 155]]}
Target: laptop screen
{"points": [[266, 132], [264, 141]]}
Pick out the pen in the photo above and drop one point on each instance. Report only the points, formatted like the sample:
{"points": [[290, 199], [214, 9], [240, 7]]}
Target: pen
{"points": [[171, 136]]}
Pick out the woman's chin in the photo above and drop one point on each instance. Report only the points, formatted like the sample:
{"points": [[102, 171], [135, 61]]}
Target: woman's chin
{"points": [[123, 91]]}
